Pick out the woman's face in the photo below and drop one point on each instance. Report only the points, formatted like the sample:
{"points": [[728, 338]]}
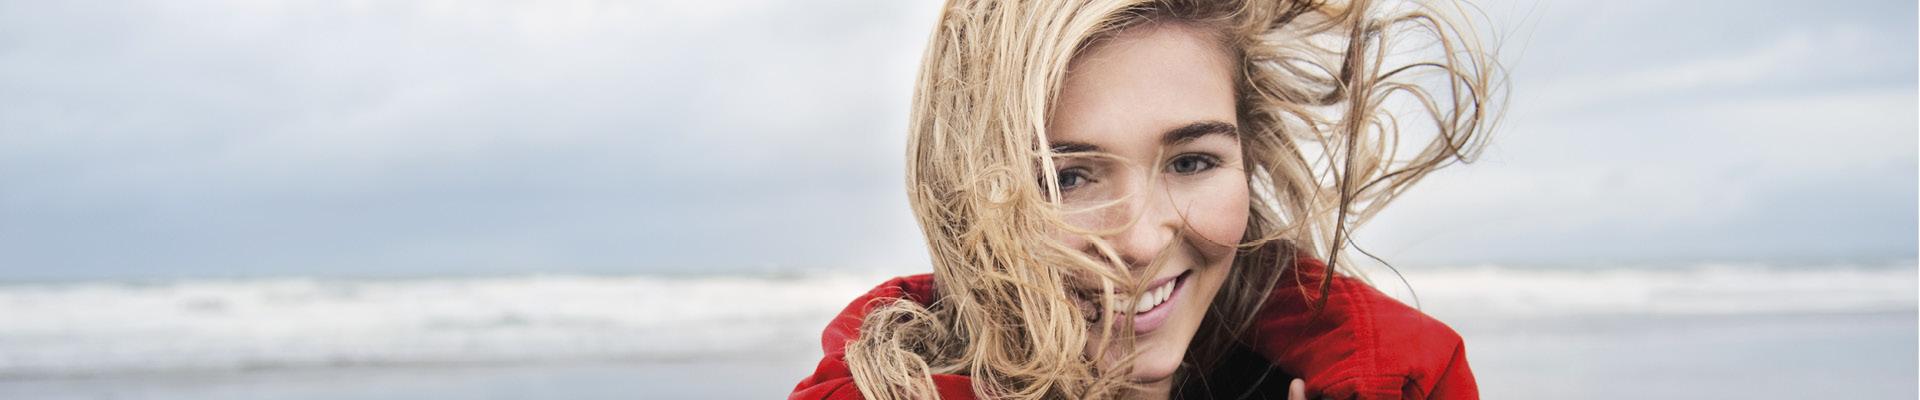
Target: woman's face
{"points": [[1158, 101]]}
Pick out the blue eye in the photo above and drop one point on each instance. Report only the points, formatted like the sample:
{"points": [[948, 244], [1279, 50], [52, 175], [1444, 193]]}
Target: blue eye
{"points": [[1072, 178], [1190, 164]]}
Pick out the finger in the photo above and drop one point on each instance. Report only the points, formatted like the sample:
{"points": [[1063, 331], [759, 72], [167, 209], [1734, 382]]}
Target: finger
{"points": [[1297, 390]]}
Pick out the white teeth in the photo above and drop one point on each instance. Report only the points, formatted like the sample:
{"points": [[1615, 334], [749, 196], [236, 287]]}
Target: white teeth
{"points": [[1153, 298]]}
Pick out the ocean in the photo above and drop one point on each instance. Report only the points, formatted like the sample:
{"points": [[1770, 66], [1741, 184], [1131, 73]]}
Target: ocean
{"points": [[1672, 331]]}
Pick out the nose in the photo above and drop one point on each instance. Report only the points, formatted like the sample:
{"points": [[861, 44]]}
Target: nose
{"points": [[1156, 223]]}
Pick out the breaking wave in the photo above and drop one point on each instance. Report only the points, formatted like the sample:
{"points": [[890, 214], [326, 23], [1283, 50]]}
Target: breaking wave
{"points": [[99, 328]]}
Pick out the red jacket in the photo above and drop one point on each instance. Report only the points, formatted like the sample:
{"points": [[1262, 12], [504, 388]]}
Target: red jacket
{"points": [[1363, 345]]}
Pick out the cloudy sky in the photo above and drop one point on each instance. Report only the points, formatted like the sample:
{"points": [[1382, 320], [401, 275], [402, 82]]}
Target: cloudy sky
{"points": [[166, 139]]}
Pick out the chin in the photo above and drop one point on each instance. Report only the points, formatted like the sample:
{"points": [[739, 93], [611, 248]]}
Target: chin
{"points": [[1158, 362], [1162, 351]]}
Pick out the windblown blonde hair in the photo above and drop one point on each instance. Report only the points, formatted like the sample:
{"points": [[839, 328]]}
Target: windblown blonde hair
{"points": [[1316, 86]]}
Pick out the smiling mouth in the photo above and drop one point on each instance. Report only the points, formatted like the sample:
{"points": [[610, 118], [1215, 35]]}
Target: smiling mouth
{"points": [[1155, 307], [1149, 308], [1158, 295]]}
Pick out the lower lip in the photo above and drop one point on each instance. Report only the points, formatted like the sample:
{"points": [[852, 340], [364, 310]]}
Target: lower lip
{"points": [[1146, 322]]}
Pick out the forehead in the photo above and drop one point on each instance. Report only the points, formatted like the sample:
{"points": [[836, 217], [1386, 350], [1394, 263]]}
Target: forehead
{"points": [[1124, 91]]}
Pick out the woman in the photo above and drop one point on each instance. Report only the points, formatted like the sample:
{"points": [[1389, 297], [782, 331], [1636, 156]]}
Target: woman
{"points": [[1130, 198]]}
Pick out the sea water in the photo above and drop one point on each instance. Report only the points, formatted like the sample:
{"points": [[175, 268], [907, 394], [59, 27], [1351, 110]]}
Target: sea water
{"points": [[1674, 331]]}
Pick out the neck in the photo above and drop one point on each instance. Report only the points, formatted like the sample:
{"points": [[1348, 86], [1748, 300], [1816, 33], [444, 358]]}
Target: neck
{"points": [[1158, 390]]}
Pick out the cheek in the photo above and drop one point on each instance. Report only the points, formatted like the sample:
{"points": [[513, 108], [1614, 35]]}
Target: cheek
{"points": [[1217, 211], [1215, 208], [1072, 241]]}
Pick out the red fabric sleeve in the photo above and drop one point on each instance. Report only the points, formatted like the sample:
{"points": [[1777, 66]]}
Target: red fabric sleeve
{"points": [[1362, 345], [1456, 381], [833, 380]]}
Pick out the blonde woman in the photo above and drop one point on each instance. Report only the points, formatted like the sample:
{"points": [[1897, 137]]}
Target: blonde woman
{"points": [[1133, 199]]}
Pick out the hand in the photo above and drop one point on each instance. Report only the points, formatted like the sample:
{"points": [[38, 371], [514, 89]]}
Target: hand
{"points": [[1297, 390]]}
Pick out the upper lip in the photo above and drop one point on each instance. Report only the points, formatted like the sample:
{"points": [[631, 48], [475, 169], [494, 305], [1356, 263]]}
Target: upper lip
{"points": [[1091, 295], [1162, 281]]}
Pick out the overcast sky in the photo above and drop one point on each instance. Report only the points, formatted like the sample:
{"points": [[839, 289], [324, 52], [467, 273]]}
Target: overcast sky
{"points": [[164, 139]]}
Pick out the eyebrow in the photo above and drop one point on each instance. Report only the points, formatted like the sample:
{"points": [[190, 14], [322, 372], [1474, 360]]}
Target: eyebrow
{"points": [[1175, 136]]}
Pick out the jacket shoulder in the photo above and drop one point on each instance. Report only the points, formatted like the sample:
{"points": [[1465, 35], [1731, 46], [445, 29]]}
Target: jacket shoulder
{"points": [[1352, 341], [1426, 356], [845, 327], [833, 379]]}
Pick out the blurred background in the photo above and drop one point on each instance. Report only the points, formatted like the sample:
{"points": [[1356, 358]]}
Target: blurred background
{"points": [[668, 199]]}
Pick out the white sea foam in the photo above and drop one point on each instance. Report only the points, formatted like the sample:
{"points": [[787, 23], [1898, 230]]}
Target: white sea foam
{"points": [[114, 328], [1710, 289], [108, 328]]}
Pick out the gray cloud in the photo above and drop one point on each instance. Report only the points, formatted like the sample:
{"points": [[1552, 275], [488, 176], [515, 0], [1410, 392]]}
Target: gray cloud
{"points": [[1672, 132], [164, 139], [264, 138]]}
